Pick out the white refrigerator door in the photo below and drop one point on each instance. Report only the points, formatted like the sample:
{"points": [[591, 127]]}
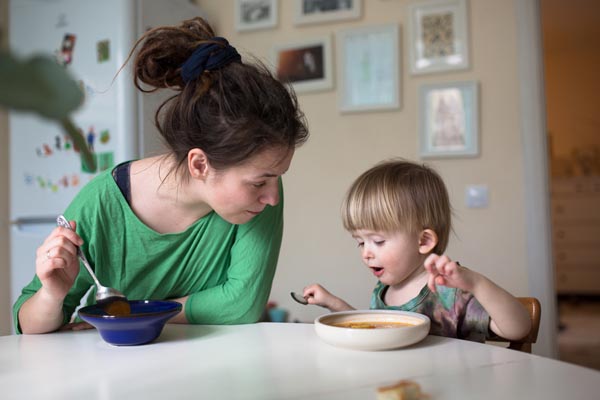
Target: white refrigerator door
{"points": [[92, 39]]}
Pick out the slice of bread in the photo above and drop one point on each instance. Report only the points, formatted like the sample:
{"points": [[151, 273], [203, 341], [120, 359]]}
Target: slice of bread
{"points": [[403, 390]]}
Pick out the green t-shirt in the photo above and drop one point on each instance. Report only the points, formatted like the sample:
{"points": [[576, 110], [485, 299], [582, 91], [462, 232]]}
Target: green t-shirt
{"points": [[226, 269]]}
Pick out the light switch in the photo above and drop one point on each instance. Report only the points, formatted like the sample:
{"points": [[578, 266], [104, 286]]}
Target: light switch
{"points": [[477, 196]]}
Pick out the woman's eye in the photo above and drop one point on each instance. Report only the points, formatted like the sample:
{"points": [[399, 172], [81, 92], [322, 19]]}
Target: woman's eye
{"points": [[259, 185]]}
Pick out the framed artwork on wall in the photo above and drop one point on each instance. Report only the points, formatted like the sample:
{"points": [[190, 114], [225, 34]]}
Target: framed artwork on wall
{"points": [[255, 14], [449, 119], [307, 65], [316, 11], [438, 36], [369, 68]]}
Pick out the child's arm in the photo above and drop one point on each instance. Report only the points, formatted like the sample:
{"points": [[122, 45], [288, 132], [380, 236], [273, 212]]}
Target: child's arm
{"points": [[318, 295], [509, 318]]}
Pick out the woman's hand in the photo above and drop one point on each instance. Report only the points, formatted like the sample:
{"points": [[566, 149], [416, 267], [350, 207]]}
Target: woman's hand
{"points": [[56, 263]]}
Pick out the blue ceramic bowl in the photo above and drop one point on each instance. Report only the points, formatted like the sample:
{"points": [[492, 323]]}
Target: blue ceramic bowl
{"points": [[143, 325]]}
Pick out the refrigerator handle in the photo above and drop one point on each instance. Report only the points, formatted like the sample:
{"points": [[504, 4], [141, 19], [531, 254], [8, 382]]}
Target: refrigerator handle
{"points": [[33, 220]]}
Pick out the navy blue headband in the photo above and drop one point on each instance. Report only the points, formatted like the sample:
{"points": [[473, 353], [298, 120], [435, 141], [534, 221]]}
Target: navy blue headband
{"points": [[208, 57]]}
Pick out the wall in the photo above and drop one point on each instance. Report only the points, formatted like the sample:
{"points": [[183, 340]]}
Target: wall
{"points": [[316, 248], [4, 255]]}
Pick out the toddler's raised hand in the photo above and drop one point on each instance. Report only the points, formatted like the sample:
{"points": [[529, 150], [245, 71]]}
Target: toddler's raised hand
{"points": [[443, 271]]}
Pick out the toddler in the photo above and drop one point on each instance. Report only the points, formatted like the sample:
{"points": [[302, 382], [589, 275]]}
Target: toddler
{"points": [[399, 213]]}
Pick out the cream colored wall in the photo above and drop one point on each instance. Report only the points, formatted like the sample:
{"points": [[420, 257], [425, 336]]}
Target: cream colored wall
{"points": [[4, 255], [316, 248]]}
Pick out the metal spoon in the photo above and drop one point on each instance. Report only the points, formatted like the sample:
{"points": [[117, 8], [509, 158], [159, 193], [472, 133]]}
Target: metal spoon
{"points": [[103, 294], [298, 298]]}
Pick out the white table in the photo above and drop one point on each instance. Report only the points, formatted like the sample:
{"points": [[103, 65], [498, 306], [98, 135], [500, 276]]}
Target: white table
{"points": [[273, 361]]}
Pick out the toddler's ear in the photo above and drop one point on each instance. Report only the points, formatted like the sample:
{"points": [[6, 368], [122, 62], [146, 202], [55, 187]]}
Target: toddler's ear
{"points": [[428, 239]]}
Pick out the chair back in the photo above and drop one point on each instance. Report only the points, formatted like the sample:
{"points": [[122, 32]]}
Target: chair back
{"points": [[533, 307]]}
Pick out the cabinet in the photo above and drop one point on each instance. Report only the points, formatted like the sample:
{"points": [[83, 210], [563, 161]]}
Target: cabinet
{"points": [[575, 203]]}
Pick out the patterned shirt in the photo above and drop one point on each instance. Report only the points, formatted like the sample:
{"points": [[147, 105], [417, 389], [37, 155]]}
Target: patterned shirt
{"points": [[453, 312]]}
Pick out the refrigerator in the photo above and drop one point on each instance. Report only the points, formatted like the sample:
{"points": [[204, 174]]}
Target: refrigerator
{"points": [[91, 39]]}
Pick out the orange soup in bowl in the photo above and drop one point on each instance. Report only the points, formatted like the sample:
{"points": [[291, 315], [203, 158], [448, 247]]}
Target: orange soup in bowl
{"points": [[371, 324]]}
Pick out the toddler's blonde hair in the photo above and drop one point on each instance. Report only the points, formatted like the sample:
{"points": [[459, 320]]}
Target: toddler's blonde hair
{"points": [[399, 195]]}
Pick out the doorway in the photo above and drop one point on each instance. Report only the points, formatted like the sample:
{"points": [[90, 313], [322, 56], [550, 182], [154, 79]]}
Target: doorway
{"points": [[571, 58]]}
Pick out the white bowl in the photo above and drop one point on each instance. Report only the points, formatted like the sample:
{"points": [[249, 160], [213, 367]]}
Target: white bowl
{"points": [[374, 338]]}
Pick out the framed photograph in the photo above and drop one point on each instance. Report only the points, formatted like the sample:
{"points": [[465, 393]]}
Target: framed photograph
{"points": [[306, 65], [316, 11], [449, 119], [255, 14], [438, 36], [369, 68]]}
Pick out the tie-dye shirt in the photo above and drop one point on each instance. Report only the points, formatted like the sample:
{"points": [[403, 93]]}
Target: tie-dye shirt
{"points": [[453, 312]]}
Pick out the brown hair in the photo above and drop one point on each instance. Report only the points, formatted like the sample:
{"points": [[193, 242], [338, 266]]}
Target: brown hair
{"points": [[398, 195], [231, 113]]}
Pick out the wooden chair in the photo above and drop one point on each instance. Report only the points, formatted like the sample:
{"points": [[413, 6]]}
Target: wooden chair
{"points": [[533, 307]]}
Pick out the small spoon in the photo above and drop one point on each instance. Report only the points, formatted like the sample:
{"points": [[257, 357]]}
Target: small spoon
{"points": [[103, 294], [298, 298]]}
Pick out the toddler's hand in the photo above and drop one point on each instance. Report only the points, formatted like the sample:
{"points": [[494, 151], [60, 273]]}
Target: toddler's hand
{"points": [[317, 295], [445, 272]]}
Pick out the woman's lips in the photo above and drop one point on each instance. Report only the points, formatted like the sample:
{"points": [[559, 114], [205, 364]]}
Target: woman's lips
{"points": [[377, 271]]}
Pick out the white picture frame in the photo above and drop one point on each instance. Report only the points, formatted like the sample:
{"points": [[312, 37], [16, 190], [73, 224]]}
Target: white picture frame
{"points": [[369, 68], [438, 36], [449, 119], [307, 65], [253, 15], [318, 11]]}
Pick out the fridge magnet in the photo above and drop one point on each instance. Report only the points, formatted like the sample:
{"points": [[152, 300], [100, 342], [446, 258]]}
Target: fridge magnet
{"points": [[438, 36], [369, 68], [104, 136], [90, 137], [306, 65], [103, 51], [317, 11], [105, 160], [66, 49], [449, 119], [86, 169], [255, 14]]}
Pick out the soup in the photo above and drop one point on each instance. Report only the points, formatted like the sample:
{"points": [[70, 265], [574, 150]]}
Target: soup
{"points": [[372, 324]]}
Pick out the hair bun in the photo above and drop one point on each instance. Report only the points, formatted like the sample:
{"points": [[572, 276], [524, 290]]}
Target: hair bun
{"points": [[163, 50]]}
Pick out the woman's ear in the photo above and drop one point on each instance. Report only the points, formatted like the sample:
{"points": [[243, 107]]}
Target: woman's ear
{"points": [[428, 239], [197, 164]]}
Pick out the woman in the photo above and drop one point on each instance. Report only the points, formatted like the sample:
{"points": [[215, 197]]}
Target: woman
{"points": [[202, 224]]}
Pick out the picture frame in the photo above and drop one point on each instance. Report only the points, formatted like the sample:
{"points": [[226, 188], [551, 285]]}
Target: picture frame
{"points": [[317, 11], [449, 119], [253, 15], [369, 68], [306, 65], [438, 36]]}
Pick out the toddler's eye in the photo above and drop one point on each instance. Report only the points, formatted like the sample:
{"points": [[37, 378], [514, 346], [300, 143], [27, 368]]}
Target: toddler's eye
{"points": [[361, 244], [379, 242]]}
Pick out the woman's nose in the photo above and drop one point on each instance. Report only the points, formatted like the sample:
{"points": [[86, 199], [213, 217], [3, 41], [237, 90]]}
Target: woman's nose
{"points": [[271, 195]]}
